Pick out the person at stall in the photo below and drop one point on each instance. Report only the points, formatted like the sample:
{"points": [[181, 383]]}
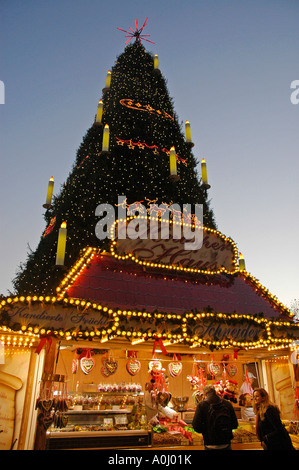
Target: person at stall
{"points": [[154, 410], [269, 427], [246, 397], [215, 419]]}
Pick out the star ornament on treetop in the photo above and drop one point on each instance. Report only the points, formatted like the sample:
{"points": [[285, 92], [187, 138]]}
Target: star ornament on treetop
{"points": [[137, 33]]}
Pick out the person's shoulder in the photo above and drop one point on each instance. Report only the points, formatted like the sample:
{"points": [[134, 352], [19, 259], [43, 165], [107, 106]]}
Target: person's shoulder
{"points": [[227, 403], [203, 404], [272, 409]]}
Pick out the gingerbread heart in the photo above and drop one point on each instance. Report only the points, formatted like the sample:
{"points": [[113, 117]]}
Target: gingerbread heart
{"points": [[133, 366], [87, 364], [163, 398], [46, 404], [214, 368], [232, 369], [175, 368], [110, 366]]}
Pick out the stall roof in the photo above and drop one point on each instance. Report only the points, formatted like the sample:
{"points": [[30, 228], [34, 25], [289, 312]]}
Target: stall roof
{"points": [[126, 285]]}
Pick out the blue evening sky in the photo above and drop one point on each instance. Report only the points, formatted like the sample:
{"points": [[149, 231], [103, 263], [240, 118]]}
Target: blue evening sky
{"points": [[229, 66]]}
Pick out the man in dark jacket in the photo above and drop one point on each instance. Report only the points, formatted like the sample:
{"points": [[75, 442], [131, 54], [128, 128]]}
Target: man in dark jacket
{"points": [[215, 418]]}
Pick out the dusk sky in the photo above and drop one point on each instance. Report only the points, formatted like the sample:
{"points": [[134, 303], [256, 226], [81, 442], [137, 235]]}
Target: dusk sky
{"points": [[229, 66]]}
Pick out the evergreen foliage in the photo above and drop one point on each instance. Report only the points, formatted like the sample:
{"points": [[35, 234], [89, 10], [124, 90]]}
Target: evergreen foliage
{"points": [[143, 127]]}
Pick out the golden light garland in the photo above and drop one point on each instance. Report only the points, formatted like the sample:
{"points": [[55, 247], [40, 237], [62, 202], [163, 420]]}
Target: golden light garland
{"points": [[148, 108], [156, 150], [118, 331]]}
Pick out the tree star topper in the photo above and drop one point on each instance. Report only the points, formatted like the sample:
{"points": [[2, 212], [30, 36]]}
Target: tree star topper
{"points": [[137, 33]]}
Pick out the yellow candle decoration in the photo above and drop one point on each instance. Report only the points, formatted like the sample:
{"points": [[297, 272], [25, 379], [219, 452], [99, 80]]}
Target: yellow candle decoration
{"points": [[172, 162], [60, 254], [99, 112], [48, 203], [241, 262], [108, 80], [188, 131], [105, 145], [204, 174], [156, 62]]}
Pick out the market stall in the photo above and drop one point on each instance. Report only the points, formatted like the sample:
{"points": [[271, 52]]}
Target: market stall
{"points": [[119, 334]]}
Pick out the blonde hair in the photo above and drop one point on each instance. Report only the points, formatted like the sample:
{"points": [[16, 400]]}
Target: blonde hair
{"points": [[261, 408]]}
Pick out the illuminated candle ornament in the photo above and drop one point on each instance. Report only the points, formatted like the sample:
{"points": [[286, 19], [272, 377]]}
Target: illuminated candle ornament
{"points": [[204, 174], [99, 113], [173, 164], [108, 81], [60, 254], [188, 132], [106, 136], [156, 62], [48, 203], [241, 262]]}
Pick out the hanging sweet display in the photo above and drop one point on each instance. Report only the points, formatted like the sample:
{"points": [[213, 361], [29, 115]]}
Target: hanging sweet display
{"points": [[87, 362], [75, 362], [197, 381], [214, 368], [175, 367], [110, 365], [232, 369], [155, 365], [227, 388], [133, 365]]}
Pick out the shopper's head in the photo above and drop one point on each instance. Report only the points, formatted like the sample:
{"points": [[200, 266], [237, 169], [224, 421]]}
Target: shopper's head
{"points": [[209, 393]]}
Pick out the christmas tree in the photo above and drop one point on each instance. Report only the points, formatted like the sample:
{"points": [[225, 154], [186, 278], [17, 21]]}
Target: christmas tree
{"points": [[143, 127]]}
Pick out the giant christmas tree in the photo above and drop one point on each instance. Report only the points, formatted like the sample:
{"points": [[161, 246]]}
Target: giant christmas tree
{"points": [[143, 127]]}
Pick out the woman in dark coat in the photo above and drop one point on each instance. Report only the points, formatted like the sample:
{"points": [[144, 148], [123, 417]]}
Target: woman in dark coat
{"points": [[269, 427]]}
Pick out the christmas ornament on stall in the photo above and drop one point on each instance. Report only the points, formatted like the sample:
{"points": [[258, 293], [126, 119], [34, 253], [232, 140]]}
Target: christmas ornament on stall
{"points": [[232, 369], [110, 366], [75, 363], [296, 405], [197, 381], [175, 367], [246, 396], [155, 366], [214, 368], [230, 390], [133, 365], [87, 362], [226, 388]]}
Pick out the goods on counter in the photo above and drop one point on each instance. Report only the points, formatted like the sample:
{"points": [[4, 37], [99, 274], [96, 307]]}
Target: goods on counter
{"points": [[180, 402], [169, 438], [122, 387], [242, 435]]}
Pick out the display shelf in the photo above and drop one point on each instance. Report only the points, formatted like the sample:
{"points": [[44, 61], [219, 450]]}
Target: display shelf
{"points": [[63, 440], [94, 412]]}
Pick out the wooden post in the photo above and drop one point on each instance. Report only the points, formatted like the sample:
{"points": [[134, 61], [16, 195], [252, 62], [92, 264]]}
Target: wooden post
{"points": [[43, 418]]}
